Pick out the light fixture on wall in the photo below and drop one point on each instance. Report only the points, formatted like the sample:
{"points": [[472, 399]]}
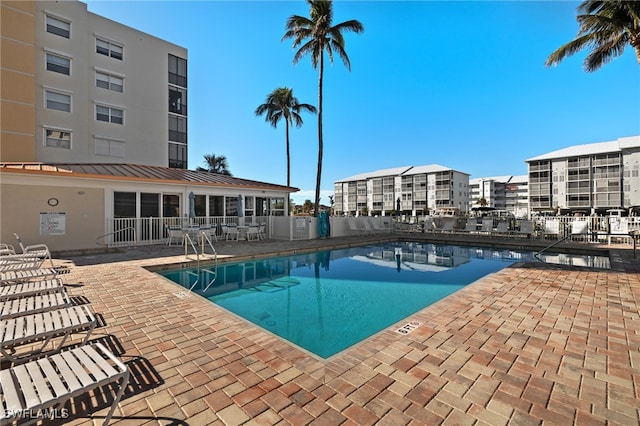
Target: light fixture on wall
{"points": [[52, 202]]}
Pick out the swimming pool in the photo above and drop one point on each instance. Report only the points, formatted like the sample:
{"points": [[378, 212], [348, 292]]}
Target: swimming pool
{"points": [[328, 301]]}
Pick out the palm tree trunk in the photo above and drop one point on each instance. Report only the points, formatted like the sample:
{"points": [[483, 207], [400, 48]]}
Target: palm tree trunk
{"points": [[320, 143], [288, 156]]}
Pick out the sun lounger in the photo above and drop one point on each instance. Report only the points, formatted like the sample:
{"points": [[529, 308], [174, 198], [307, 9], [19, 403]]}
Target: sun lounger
{"points": [[49, 382], [526, 228], [471, 225], [552, 228], [46, 326], [487, 225], [16, 276], [29, 288], [502, 229], [6, 249], [20, 266], [33, 304], [39, 250]]}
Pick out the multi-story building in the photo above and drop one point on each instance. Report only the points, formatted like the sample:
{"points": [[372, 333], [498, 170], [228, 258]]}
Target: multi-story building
{"points": [[590, 178], [509, 193], [415, 189], [93, 135], [78, 87]]}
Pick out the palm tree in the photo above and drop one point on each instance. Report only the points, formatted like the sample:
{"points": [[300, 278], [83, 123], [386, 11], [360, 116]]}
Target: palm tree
{"points": [[313, 36], [606, 27], [215, 164], [282, 104]]}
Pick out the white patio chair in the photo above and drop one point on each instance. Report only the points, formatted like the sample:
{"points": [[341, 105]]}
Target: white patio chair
{"points": [[44, 326], [232, 233], [174, 233], [262, 231], [38, 250], [16, 276], [252, 233], [51, 381], [526, 228], [6, 249], [552, 228], [33, 304], [29, 288]]}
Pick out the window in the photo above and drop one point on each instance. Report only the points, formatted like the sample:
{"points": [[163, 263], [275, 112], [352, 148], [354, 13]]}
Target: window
{"points": [[177, 71], [177, 100], [110, 115], [55, 138], [109, 82], [58, 64], [108, 147], [58, 101], [124, 204], [177, 129], [58, 27], [107, 48], [177, 156]]}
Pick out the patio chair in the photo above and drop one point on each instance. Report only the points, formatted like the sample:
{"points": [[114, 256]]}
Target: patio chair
{"points": [[502, 228], [6, 249], [29, 288], [447, 226], [579, 228], [551, 228], [38, 250], [262, 231], [471, 225], [252, 233], [487, 225], [427, 225], [526, 228], [232, 233], [33, 304], [44, 326], [21, 275], [173, 232], [49, 382]]}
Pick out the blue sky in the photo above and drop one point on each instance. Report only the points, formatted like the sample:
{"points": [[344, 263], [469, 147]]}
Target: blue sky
{"points": [[460, 84]]}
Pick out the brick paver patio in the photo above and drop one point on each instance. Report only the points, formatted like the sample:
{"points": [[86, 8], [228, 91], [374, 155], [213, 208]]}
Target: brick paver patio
{"points": [[531, 344]]}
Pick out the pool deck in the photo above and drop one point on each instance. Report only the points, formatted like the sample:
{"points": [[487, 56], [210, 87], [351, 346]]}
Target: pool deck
{"points": [[531, 344]]}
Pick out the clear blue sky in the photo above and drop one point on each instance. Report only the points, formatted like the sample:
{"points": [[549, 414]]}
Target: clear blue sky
{"points": [[460, 84]]}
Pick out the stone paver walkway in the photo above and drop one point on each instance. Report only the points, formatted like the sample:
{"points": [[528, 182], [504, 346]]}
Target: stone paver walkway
{"points": [[531, 344]]}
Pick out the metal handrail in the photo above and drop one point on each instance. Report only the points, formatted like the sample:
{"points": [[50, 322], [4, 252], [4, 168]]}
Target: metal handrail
{"points": [[187, 239], [129, 228]]}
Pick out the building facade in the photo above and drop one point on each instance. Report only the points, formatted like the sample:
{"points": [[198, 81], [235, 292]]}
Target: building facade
{"points": [[590, 178], [509, 193], [415, 189], [78, 87]]}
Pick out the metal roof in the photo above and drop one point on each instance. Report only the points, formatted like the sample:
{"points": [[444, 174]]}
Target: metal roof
{"points": [[137, 172], [591, 149], [398, 171]]}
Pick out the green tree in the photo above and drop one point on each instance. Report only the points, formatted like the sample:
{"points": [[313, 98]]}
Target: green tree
{"points": [[215, 164], [606, 27], [312, 36], [307, 206], [281, 104]]}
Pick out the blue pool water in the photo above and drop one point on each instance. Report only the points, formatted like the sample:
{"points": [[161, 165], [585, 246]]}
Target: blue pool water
{"points": [[327, 301]]}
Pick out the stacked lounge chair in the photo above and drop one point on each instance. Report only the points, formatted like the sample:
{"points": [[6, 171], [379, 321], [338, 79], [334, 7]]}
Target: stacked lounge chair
{"points": [[33, 314]]}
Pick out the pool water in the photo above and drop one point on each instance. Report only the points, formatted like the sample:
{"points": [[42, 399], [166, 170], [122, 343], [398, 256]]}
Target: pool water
{"points": [[328, 301]]}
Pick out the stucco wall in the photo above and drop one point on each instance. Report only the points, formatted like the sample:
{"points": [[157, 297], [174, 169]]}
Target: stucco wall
{"points": [[21, 207]]}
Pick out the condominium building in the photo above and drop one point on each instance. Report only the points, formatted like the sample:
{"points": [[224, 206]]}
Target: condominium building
{"points": [[415, 188], [591, 178], [77, 87], [509, 193]]}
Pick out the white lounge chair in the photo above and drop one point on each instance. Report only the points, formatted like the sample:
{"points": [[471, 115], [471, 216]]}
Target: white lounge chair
{"points": [[39, 250], [29, 288], [526, 228], [471, 225], [487, 225], [579, 228], [552, 228], [502, 228], [174, 233], [33, 304], [16, 276], [44, 326], [6, 249], [51, 381]]}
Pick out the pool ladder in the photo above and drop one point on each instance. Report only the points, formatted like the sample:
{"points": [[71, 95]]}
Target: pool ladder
{"points": [[188, 242]]}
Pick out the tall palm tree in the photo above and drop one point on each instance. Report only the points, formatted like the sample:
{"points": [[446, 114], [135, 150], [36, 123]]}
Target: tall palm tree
{"points": [[215, 164], [313, 36], [606, 27], [282, 104]]}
